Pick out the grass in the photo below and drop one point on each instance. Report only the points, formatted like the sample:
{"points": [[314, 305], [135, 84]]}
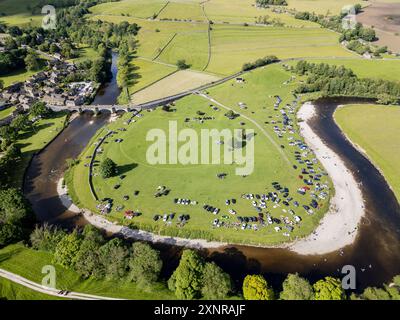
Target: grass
{"points": [[18, 12], [321, 6], [6, 112], [28, 263], [14, 291], [232, 46], [378, 69], [17, 76], [375, 130], [241, 11], [85, 53], [183, 10], [173, 84], [134, 8], [199, 182], [33, 141], [145, 73]]}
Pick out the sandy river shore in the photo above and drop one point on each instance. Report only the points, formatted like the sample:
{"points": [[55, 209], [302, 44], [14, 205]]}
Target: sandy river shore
{"points": [[338, 227]]}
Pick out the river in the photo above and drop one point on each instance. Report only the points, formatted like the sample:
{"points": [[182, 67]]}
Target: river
{"points": [[375, 254]]}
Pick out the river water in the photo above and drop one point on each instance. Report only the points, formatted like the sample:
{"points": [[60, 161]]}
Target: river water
{"points": [[375, 254]]}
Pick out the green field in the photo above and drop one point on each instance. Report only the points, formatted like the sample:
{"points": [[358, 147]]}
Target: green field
{"points": [[33, 141], [198, 181], [232, 46], [173, 84], [322, 6], [243, 11], [28, 263], [6, 112], [18, 12], [17, 76], [146, 72], [134, 8], [375, 130]]}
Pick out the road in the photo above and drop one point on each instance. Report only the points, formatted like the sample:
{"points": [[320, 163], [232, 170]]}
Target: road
{"points": [[50, 291]]}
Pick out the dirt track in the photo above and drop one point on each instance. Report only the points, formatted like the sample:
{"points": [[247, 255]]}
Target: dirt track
{"points": [[385, 18]]}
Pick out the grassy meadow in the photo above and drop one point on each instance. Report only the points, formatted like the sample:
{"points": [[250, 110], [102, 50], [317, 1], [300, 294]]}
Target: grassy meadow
{"points": [[32, 141], [375, 130], [6, 112]]}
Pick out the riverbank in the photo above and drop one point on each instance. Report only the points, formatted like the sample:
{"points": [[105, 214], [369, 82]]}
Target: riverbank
{"points": [[338, 228]]}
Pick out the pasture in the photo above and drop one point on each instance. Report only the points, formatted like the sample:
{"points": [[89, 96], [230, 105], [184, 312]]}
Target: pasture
{"points": [[199, 182], [375, 129], [232, 46]]}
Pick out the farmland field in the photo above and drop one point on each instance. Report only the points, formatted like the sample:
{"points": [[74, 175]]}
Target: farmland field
{"points": [[321, 6], [198, 181], [173, 84], [375, 130], [231, 44], [145, 73]]}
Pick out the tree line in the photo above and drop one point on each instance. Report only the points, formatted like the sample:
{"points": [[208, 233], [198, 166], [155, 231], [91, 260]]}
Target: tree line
{"points": [[259, 63], [340, 81], [267, 3], [357, 36]]}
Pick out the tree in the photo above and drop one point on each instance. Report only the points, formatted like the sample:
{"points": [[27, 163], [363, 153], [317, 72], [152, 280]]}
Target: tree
{"points": [[1, 84], [10, 44], [13, 206], [88, 259], [46, 237], [186, 281], [329, 289], [145, 264], [114, 258], [67, 249], [182, 65], [32, 61], [216, 284], [255, 287], [296, 288], [39, 109], [9, 233], [21, 122], [108, 168]]}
